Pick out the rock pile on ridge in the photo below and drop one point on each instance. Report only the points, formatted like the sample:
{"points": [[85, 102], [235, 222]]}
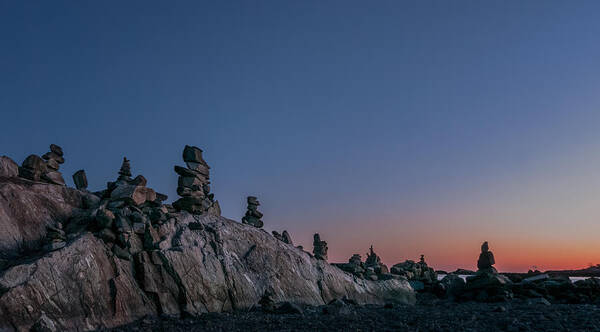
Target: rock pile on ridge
{"points": [[319, 247], [415, 271], [486, 260], [194, 184], [253, 216], [283, 237], [45, 168]]}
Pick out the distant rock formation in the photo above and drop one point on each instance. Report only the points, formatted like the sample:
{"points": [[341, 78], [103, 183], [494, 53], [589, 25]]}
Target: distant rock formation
{"points": [[252, 216], [319, 247], [417, 271]]}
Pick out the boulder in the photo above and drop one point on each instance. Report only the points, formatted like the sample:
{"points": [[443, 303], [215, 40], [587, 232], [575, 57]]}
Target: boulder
{"points": [[8, 168], [80, 180], [133, 194], [53, 177]]}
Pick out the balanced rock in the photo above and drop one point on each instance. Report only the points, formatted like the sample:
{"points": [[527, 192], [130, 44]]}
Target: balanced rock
{"points": [[373, 261], [415, 271], [80, 180], [253, 216], [319, 247]]}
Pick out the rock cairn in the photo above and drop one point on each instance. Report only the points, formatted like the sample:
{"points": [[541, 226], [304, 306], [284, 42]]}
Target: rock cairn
{"points": [[252, 216], [55, 237], [415, 271], [319, 247], [486, 260], [283, 237], [127, 214], [194, 186], [80, 180], [45, 168]]}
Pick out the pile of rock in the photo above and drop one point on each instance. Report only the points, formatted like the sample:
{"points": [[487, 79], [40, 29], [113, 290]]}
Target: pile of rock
{"points": [[252, 216], [374, 265], [415, 271], [354, 266], [283, 237], [55, 237], [45, 168], [319, 247], [127, 214], [194, 186], [487, 285]]}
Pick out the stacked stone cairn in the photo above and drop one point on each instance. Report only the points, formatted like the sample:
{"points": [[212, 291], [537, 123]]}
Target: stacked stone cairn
{"points": [[415, 271], [194, 186], [44, 169], [319, 247], [55, 237], [371, 269], [128, 215], [487, 285], [283, 237], [252, 216]]}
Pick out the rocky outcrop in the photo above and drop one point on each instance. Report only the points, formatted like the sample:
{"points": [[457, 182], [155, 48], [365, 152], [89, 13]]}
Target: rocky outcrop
{"points": [[118, 255]]}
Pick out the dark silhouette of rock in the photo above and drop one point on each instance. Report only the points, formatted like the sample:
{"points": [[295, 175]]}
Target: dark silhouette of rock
{"points": [[486, 259], [80, 180], [319, 247], [416, 271], [253, 216]]}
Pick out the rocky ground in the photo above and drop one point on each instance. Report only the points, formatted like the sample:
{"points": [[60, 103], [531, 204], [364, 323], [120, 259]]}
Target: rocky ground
{"points": [[428, 315]]}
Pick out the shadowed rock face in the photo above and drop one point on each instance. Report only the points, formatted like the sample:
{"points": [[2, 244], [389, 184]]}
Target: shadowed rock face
{"points": [[209, 264], [26, 208]]}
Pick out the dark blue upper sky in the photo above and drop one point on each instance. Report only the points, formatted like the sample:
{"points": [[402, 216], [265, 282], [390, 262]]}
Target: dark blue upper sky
{"points": [[366, 121]]}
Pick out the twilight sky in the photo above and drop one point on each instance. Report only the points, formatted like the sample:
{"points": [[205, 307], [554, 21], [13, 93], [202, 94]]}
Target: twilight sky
{"points": [[417, 126]]}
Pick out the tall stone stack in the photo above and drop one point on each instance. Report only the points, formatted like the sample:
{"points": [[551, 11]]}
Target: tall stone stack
{"points": [[45, 168], [486, 260], [253, 216], [194, 185], [319, 247]]}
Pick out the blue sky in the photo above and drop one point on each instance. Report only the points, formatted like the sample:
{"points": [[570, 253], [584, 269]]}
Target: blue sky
{"points": [[411, 125]]}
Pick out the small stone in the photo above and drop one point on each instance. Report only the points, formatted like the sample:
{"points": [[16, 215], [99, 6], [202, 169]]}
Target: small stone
{"points": [[139, 228], [52, 164], [182, 171], [56, 149], [35, 163], [191, 182], [133, 194], [199, 167], [44, 324], [52, 155], [80, 180], [139, 180], [104, 218], [52, 246], [193, 154], [286, 238], [53, 177], [125, 171]]}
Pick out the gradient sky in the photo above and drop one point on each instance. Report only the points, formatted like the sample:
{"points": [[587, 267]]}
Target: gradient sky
{"points": [[417, 126]]}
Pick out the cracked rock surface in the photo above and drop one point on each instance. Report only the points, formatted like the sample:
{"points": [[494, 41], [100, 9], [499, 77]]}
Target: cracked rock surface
{"points": [[206, 263]]}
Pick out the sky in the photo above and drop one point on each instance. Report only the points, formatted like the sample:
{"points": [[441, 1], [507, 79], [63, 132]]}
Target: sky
{"points": [[421, 127]]}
